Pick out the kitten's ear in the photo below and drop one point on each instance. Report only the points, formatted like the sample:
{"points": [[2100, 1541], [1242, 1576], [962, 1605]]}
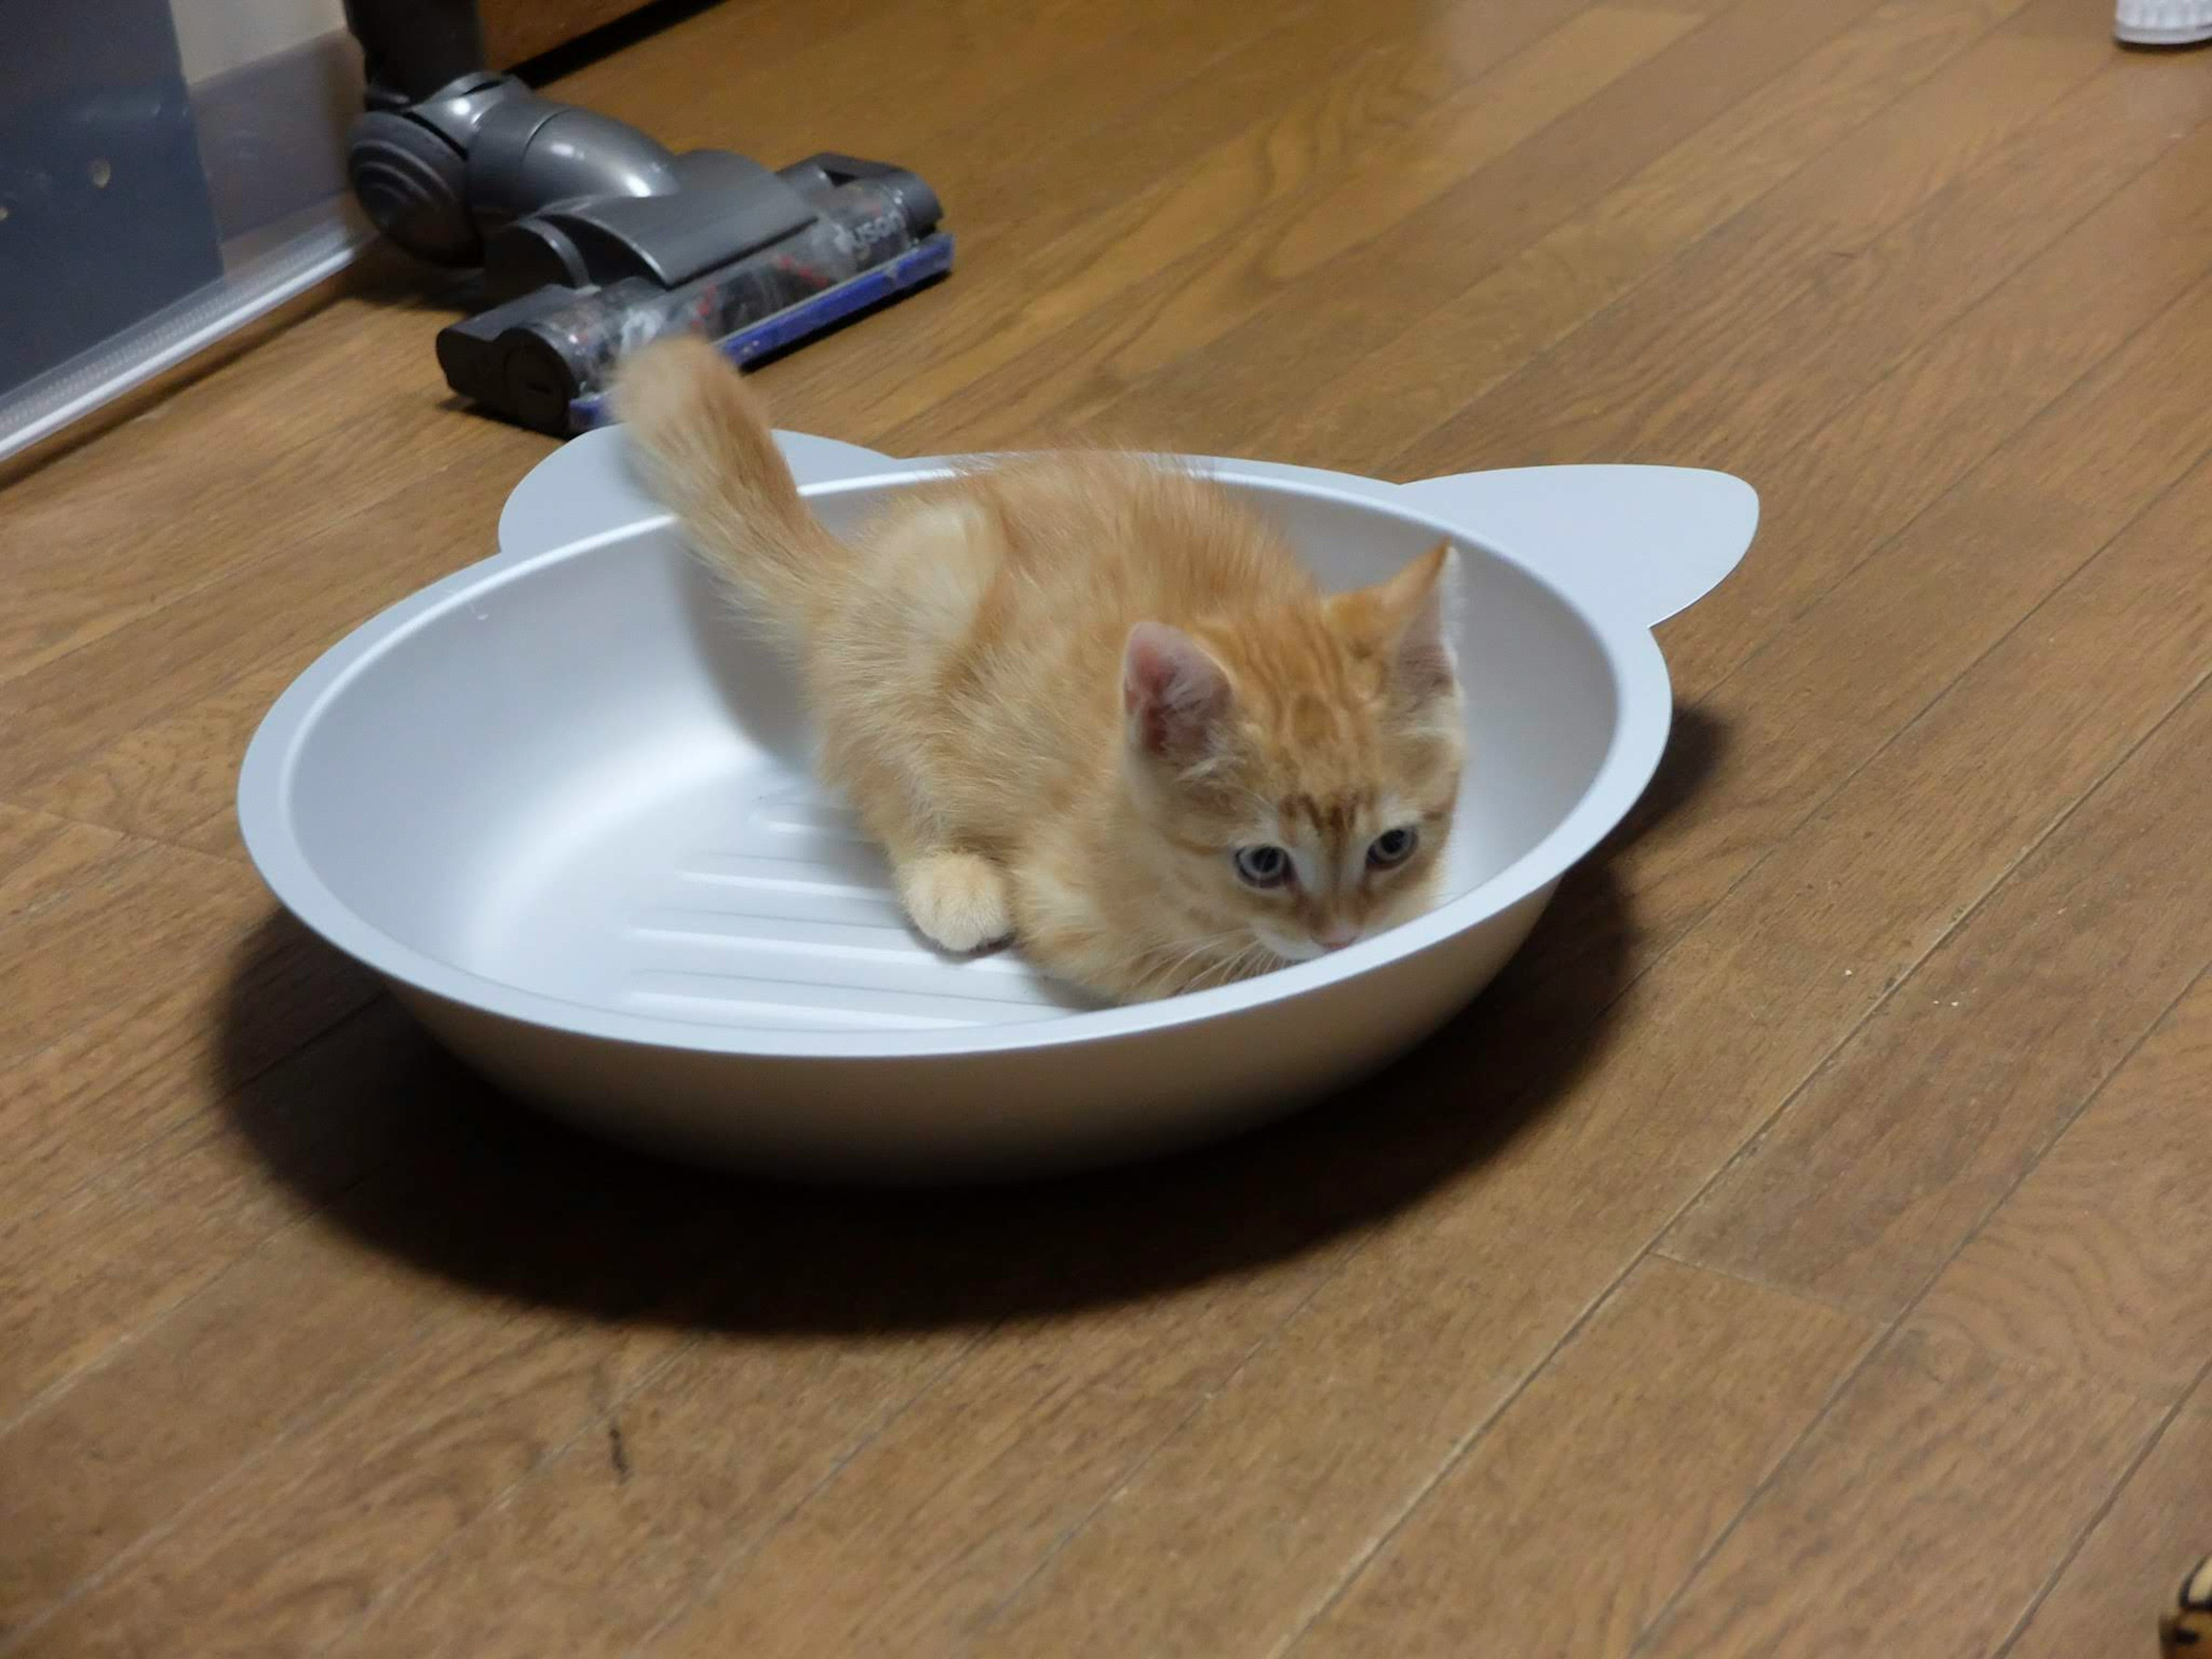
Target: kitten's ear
{"points": [[1172, 692], [1410, 617]]}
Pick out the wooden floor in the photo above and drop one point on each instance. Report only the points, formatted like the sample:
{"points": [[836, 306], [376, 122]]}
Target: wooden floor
{"points": [[1807, 1248]]}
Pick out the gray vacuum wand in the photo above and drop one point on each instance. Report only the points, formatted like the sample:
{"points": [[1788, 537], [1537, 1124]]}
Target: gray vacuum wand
{"points": [[595, 239], [442, 178]]}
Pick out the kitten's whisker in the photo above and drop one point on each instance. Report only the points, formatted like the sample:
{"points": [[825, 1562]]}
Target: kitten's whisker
{"points": [[1165, 969], [1253, 958]]}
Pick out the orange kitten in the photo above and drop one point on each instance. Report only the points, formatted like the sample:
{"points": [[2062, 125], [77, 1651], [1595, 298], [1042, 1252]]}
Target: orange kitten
{"points": [[1088, 702]]}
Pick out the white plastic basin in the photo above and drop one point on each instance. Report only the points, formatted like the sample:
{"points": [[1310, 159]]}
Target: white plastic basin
{"points": [[562, 805]]}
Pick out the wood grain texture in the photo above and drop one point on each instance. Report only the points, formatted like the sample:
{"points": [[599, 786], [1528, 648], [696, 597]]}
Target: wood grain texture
{"points": [[106, 932], [1384, 180], [651, 1505], [199, 641], [340, 1315], [1569, 1524], [2093, 1263], [174, 776], [42, 858], [1308, 137], [2003, 398], [1919, 1517], [1409, 327], [308, 1343], [1919, 206], [128, 1074], [754, 1427], [166, 520], [310, 1332], [1820, 695], [899, 1556], [1859, 1193], [101, 1254], [2127, 1570]]}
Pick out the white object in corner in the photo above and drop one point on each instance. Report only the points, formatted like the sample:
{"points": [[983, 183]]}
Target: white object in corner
{"points": [[2162, 22]]}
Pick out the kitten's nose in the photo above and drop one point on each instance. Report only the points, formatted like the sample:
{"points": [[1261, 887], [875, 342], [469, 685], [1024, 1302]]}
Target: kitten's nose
{"points": [[1336, 935]]}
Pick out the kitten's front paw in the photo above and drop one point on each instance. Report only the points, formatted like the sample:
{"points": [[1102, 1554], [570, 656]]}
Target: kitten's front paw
{"points": [[958, 899]]}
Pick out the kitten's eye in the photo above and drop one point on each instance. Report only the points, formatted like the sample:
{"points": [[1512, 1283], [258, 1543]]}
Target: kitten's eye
{"points": [[1393, 846], [1263, 866]]}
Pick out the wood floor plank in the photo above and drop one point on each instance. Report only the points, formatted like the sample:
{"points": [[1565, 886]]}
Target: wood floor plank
{"points": [[1920, 1517], [1575, 1518], [290, 1334], [392, 1485], [896, 1555], [1891, 295], [167, 779], [1960, 400], [42, 858], [138, 1235], [1395, 342], [1030, 172], [291, 604], [1811, 703], [165, 505], [124, 1074], [2105, 1603], [135, 909], [786, 84], [1189, 300], [1347, 377], [1380, 85], [1861, 1192], [711, 1456], [1858, 189], [1609, 1163], [288, 1557], [2100, 1263], [1096, 124], [1843, 270], [303, 1325]]}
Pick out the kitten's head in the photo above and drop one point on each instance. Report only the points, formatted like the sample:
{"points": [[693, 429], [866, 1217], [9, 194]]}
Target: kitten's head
{"points": [[1297, 767]]}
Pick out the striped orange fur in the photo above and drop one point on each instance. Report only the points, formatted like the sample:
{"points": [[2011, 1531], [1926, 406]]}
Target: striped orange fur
{"points": [[1083, 699]]}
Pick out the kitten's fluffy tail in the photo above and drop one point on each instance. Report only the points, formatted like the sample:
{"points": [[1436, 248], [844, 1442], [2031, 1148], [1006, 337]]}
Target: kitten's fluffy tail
{"points": [[702, 438]]}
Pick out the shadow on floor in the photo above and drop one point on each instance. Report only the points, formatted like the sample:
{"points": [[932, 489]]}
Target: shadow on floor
{"points": [[397, 1144]]}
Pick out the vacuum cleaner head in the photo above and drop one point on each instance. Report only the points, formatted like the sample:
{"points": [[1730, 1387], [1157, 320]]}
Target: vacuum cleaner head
{"points": [[595, 240]]}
